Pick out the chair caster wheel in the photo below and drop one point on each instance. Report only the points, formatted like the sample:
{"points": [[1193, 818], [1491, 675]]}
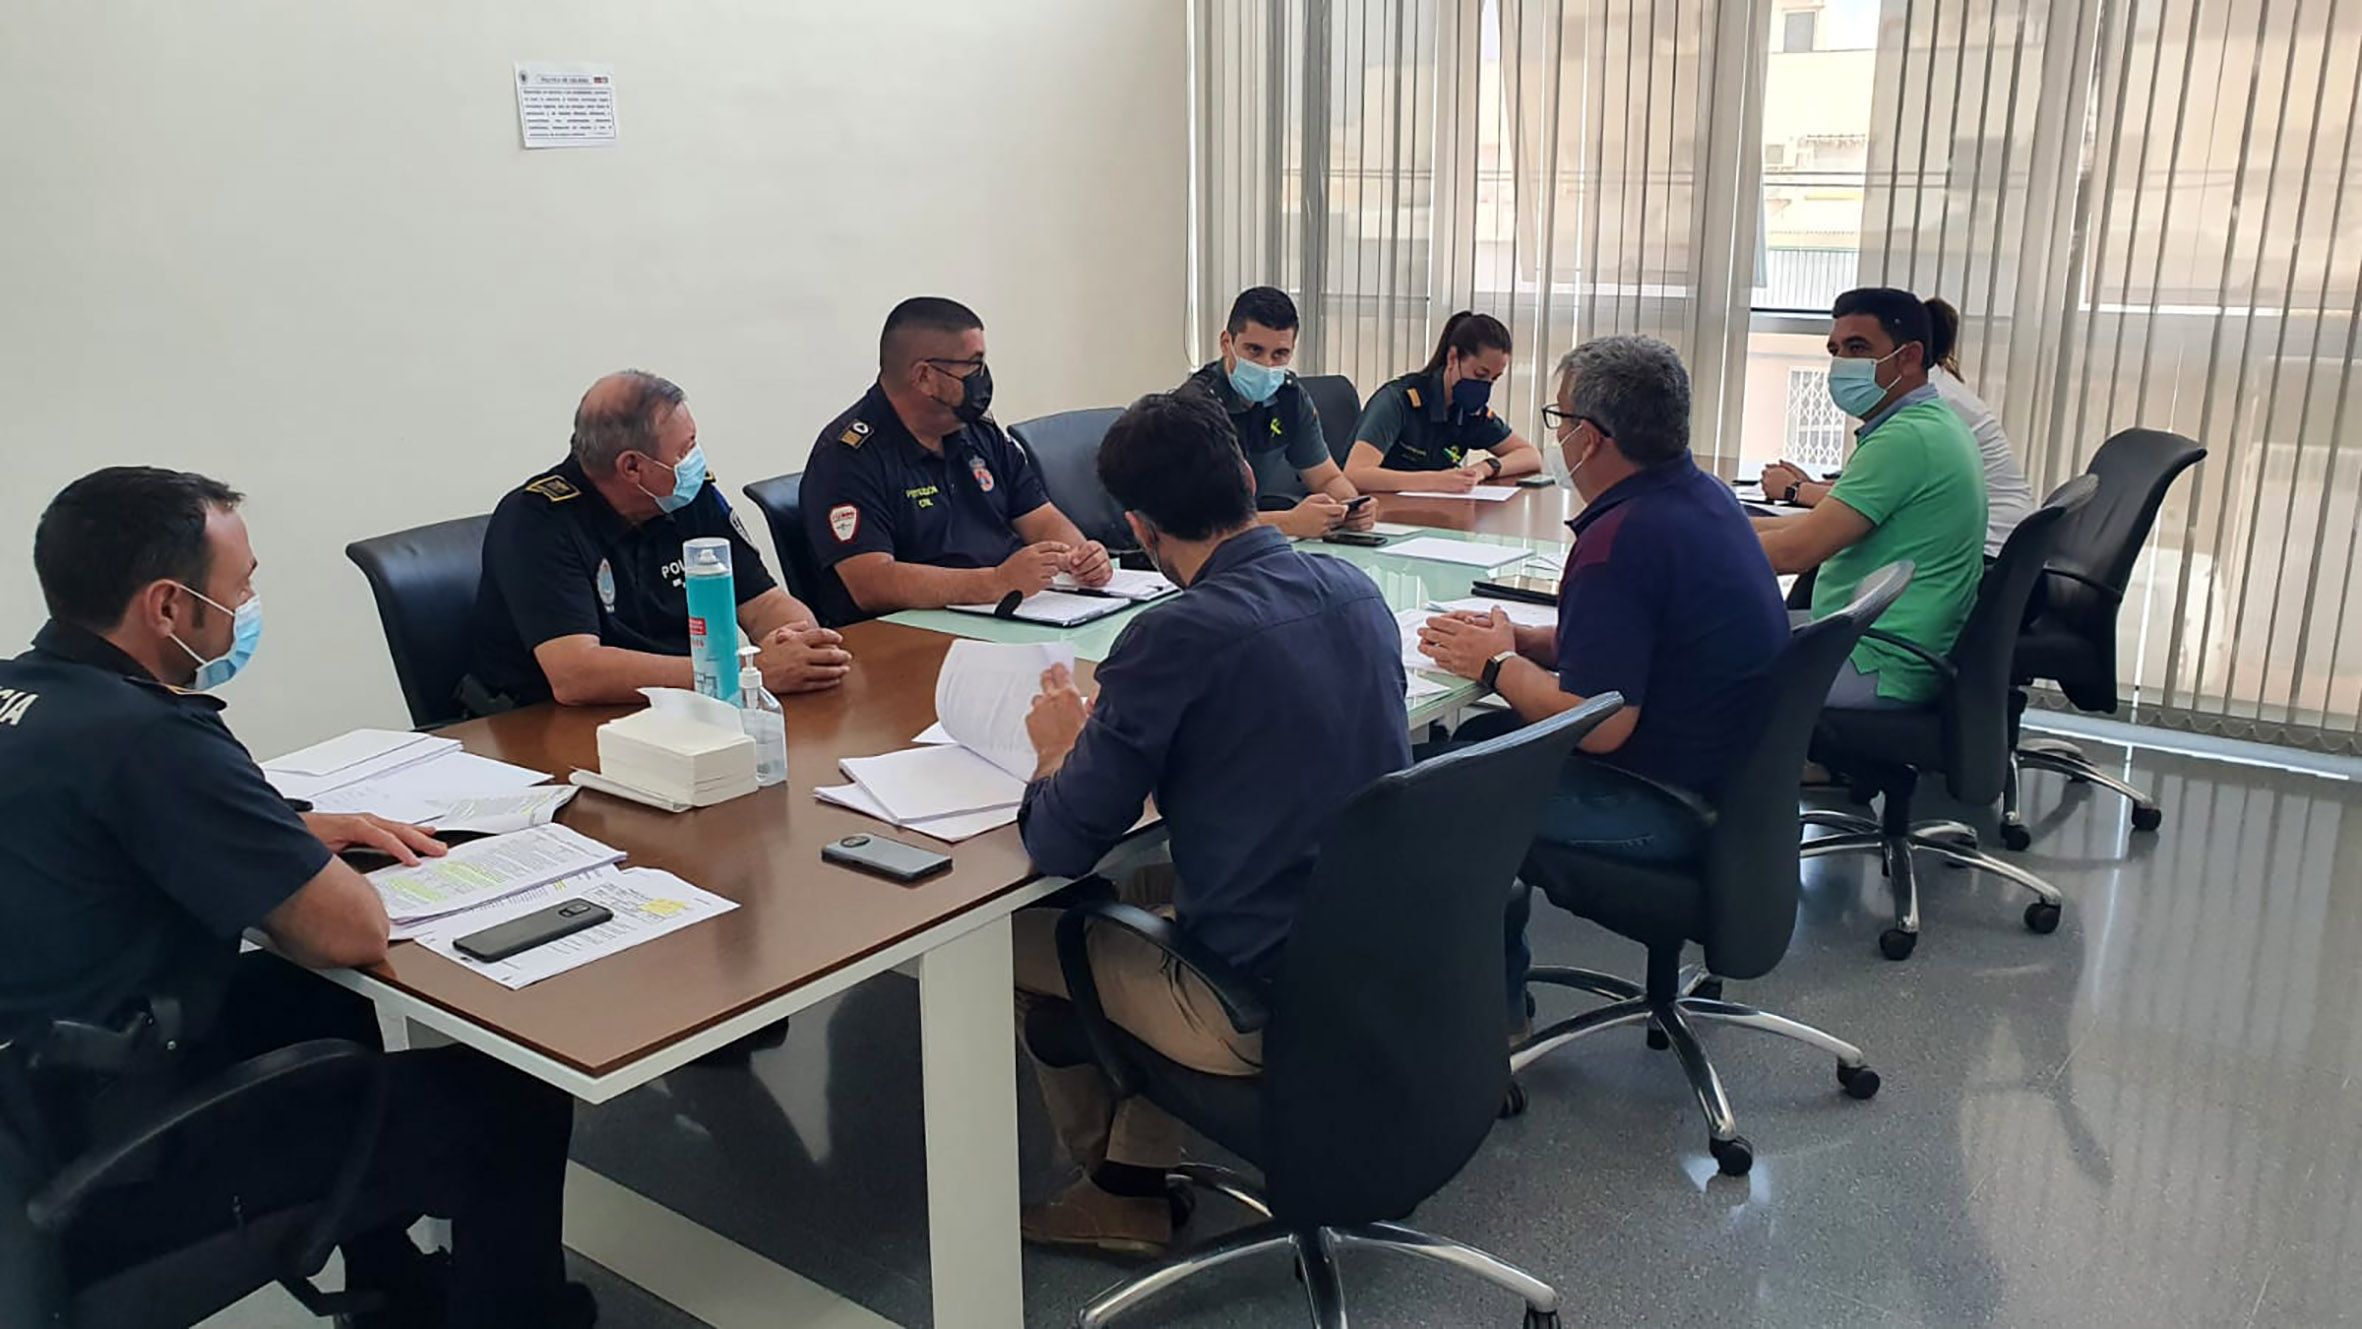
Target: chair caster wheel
{"points": [[1896, 944], [2147, 818], [1535, 1319], [1860, 1082], [1710, 990], [2042, 916], [2014, 836], [1657, 1040], [1734, 1155], [1512, 1101]]}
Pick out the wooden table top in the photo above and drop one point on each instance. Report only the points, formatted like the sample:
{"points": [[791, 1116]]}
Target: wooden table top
{"points": [[1533, 514], [798, 918]]}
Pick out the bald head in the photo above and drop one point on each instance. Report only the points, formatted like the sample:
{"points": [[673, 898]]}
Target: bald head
{"points": [[623, 412]]}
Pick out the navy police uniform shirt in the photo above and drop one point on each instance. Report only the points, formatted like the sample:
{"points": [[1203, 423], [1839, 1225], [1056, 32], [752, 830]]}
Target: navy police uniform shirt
{"points": [[1411, 420], [1254, 705], [560, 562], [142, 839], [871, 489], [1668, 599], [1281, 437]]}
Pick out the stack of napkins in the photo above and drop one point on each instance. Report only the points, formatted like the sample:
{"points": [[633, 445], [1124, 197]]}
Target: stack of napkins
{"points": [[684, 749], [973, 779]]}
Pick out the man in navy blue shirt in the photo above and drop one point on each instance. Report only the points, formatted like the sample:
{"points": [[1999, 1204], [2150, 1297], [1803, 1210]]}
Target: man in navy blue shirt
{"points": [[1253, 706], [916, 499], [1666, 598]]}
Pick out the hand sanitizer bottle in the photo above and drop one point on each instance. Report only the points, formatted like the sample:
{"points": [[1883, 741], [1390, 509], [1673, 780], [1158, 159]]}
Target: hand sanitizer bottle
{"points": [[765, 722]]}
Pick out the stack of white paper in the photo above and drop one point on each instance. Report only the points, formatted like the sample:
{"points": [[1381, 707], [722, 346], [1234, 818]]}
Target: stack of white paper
{"points": [[974, 781], [502, 814], [646, 904], [685, 748], [407, 777], [485, 870]]}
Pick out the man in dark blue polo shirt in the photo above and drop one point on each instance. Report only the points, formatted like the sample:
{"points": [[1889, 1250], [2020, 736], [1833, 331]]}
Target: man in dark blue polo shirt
{"points": [[1666, 598], [582, 598], [916, 499], [142, 842], [1253, 706]]}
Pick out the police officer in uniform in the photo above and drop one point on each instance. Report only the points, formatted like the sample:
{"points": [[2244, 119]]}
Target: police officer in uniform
{"points": [[915, 499], [1432, 430], [1297, 483], [143, 841], [582, 598]]}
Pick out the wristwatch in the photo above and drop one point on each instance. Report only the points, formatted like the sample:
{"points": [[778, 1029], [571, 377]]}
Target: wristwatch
{"points": [[1495, 464], [1790, 496], [1490, 680]]}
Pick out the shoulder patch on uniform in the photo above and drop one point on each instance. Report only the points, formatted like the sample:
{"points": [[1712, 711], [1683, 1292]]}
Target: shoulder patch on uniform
{"points": [[555, 488], [856, 434], [1413, 394], [844, 521]]}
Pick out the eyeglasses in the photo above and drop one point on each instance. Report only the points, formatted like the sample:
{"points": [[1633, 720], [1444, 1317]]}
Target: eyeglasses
{"points": [[955, 368], [1554, 417]]}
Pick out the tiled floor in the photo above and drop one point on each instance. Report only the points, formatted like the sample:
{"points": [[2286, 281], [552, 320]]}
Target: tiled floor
{"points": [[2149, 1118]]}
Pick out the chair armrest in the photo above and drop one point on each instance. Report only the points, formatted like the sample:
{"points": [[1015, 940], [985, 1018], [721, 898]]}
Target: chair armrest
{"points": [[83, 1178], [1939, 663], [1241, 1001]]}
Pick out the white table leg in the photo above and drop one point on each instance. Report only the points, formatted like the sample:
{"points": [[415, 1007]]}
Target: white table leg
{"points": [[967, 1050]]}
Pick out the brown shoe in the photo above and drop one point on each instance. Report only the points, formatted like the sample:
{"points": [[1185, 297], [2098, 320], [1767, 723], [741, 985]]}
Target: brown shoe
{"points": [[1085, 1215]]}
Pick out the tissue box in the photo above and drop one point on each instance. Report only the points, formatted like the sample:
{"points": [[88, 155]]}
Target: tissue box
{"points": [[685, 760]]}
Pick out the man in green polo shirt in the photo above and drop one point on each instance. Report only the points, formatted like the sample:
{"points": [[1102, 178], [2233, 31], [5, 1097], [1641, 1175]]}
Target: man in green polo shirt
{"points": [[1914, 489]]}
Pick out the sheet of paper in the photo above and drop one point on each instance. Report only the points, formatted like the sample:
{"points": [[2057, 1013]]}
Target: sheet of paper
{"points": [[1410, 621], [1481, 494], [375, 749], [1466, 553], [418, 792], [484, 870], [565, 106], [1395, 528], [647, 903], [918, 784], [502, 814], [982, 696], [1524, 614], [933, 736], [1130, 583], [950, 830], [1059, 609]]}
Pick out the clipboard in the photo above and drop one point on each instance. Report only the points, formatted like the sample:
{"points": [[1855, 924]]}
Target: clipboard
{"points": [[1012, 607]]}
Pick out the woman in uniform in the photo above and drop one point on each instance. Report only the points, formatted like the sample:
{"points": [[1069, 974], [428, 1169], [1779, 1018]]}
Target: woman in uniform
{"points": [[1434, 429]]}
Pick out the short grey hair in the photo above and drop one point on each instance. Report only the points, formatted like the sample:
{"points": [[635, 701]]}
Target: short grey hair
{"points": [[1635, 390], [624, 419]]}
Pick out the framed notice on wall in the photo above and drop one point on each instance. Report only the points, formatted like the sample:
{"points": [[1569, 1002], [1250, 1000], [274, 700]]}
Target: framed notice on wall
{"points": [[566, 106]]}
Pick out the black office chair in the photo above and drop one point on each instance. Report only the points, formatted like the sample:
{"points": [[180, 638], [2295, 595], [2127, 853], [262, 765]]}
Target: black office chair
{"points": [[425, 583], [2072, 639], [1065, 447], [1963, 733], [44, 1200], [1382, 1054], [1738, 900], [781, 500], [1339, 407]]}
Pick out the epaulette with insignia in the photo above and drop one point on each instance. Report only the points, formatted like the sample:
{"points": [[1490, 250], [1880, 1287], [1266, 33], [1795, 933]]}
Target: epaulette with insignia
{"points": [[555, 488], [1413, 394], [856, 434]]}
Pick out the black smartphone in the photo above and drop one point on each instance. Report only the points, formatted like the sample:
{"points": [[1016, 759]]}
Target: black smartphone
{"points": [[1538, 480], [539, 928], [1533, 590], [1357, 502], [1363, 539], [891, 859]]}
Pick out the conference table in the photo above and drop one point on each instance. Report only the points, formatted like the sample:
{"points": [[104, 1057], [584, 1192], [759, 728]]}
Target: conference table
{"points": [[805, 930]]}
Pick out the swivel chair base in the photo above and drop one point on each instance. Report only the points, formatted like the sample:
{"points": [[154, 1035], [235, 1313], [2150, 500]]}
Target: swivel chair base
{"points": [[1672, 1001], [1896, 839], [1315, 1251], [2064, 758]]}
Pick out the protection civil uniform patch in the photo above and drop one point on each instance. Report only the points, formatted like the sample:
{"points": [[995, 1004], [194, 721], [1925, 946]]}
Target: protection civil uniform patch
{"points": [[855, 434], [606, 584], [555, 488], [982, 472], [844, 521]]}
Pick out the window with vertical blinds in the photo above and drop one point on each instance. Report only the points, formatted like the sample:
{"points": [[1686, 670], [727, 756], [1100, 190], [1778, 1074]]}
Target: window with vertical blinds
{"points": [[2150, 215], [1553, 163]]}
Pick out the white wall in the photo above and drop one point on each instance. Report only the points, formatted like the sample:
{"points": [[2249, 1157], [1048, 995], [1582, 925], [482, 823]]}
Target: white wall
{"points": [[296, 246]]}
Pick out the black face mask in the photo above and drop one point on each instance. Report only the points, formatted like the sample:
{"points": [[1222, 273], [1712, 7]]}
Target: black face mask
{"points": [[975, 396]]}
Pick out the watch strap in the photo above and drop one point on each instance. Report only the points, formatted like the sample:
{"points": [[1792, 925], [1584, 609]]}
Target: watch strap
{"points": [[1490, 680]]}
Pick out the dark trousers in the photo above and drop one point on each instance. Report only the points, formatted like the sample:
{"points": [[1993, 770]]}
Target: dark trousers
{"points": [[465, 1139]]}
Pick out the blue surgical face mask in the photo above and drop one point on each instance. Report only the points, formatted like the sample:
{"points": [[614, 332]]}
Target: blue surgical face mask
{"points": [[1257, 383], [688, 478], [1470, 394], [1854, 386], [245, 635]]}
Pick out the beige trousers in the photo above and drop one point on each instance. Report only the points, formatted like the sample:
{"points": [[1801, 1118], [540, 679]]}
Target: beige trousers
{"points": [[1150, 996]]}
